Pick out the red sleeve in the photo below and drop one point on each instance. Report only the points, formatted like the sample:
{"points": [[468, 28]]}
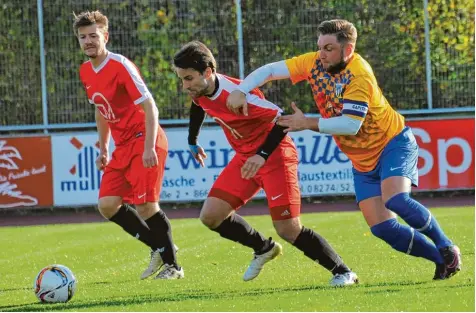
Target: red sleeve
{"points": [[81, 78], [257, 92]]}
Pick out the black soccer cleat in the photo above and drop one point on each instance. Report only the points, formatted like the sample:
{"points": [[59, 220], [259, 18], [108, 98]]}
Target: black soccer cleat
{"points": [[452, 257], [440, 272]]}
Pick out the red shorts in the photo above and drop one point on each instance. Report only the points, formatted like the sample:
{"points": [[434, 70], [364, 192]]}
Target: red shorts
{"points": [[278, 177], [125, 176]]}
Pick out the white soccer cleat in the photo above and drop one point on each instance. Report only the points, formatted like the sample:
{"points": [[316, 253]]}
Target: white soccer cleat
{"points": [[346, 279], [170, 272], [155, 263], [260, 260]]}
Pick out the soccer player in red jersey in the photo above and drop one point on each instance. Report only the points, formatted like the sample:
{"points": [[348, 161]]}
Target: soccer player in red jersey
{"points": [[126, 110], [265, 158]]}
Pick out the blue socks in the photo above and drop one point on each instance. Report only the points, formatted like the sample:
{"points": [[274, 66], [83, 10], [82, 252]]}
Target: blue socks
{"points": [[404, 239], [418, 217]]}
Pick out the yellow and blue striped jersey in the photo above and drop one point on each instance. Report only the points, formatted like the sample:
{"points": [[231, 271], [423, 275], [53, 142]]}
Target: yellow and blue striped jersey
{"points": [[353, 92]]}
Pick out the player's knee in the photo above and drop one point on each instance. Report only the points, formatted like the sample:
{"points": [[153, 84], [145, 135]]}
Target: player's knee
{"points": [[142, 209], [287, 235], [398, 202], [411, 211], [108, 207], [288, 232], [384, 230], [209, 219], [147, 209]]}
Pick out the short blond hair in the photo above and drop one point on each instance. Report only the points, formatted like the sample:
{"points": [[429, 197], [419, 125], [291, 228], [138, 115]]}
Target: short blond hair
{"points": [[90, 18]]}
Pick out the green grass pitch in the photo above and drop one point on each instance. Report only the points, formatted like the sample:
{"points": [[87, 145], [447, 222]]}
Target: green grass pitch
{"points": [[108, 263]]}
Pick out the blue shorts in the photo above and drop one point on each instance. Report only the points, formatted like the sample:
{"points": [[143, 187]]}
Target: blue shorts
{"points": [[399, 158]]}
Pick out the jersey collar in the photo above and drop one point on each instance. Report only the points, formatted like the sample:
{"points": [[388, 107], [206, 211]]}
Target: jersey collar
{"points": [[103, 63]]}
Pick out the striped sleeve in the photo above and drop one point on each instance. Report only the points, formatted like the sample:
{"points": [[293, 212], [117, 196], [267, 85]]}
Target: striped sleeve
{"points": [[357, 98], [134, 83], [262, 103], [258, 106]]}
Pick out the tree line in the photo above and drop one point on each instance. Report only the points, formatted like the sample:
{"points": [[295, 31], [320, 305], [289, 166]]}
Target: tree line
{"points": [[391, 38]]}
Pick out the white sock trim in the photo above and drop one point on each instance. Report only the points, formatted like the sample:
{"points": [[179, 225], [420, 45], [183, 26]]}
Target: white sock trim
{"points": [[427, 224], [410, 246]]}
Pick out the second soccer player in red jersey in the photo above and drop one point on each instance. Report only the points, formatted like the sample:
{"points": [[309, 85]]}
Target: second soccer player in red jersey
{"points": [[126, 110], [265, 158]]}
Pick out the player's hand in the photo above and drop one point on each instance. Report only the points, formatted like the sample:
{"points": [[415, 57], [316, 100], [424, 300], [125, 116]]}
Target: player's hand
{"points": [[149, 158], [295, 122], [252, 166], [198, 153], [102, 160], [236, 102]]}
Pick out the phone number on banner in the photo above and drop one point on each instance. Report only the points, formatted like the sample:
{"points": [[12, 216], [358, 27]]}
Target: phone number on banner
{"points": [[327, 188], [306, 190], [187, 194]]}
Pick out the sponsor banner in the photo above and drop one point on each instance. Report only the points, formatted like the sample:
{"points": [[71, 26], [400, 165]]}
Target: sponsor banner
{"points": [[323, 168], [446, 153], [25, 172], [184, 179], [76, 179], [446, 162]]}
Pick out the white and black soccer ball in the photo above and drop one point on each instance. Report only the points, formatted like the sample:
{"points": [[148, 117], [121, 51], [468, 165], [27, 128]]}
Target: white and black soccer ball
{"points": [[55, 283]]}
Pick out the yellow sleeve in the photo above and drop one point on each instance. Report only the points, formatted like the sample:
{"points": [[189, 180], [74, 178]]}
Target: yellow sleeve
{"points": [[300, 67], [357, 98]]}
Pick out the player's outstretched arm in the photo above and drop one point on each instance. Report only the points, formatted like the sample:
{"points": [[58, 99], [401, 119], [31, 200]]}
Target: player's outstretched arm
{"points": [[104, 133], [338, 125], [298, 121], [264, 74], [236, 101], [149, 157], [197, 116]]}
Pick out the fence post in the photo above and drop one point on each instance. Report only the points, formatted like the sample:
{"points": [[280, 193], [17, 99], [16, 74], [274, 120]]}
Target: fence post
{"points": [[429, 92], [239, 28], [44, 94]]}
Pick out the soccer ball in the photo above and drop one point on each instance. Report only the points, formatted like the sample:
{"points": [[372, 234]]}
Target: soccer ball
{"points": [[55, 283]]}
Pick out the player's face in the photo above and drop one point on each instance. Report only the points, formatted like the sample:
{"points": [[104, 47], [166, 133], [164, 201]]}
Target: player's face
{"points": [[194, 83], [333, 54], [92, 40]]}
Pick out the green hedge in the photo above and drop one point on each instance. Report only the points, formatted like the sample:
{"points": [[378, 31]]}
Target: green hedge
{"points": [[391, 38]]}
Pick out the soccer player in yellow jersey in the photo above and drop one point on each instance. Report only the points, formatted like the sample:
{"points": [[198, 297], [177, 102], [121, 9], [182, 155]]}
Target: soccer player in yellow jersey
{"points": [[383, 151]]}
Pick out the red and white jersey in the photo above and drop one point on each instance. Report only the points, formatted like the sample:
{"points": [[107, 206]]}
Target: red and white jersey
{"points": [[116, 87], [244, 133]]}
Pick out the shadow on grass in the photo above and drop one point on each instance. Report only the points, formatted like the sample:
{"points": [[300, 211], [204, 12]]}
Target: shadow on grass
{"points": [[141, 299], [31, 288], [16, 289], [207, 295], [102, 283], [432, 286]]}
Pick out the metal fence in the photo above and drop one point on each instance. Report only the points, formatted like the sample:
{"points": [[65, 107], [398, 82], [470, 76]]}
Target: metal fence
{"points": [[40, 57]]}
